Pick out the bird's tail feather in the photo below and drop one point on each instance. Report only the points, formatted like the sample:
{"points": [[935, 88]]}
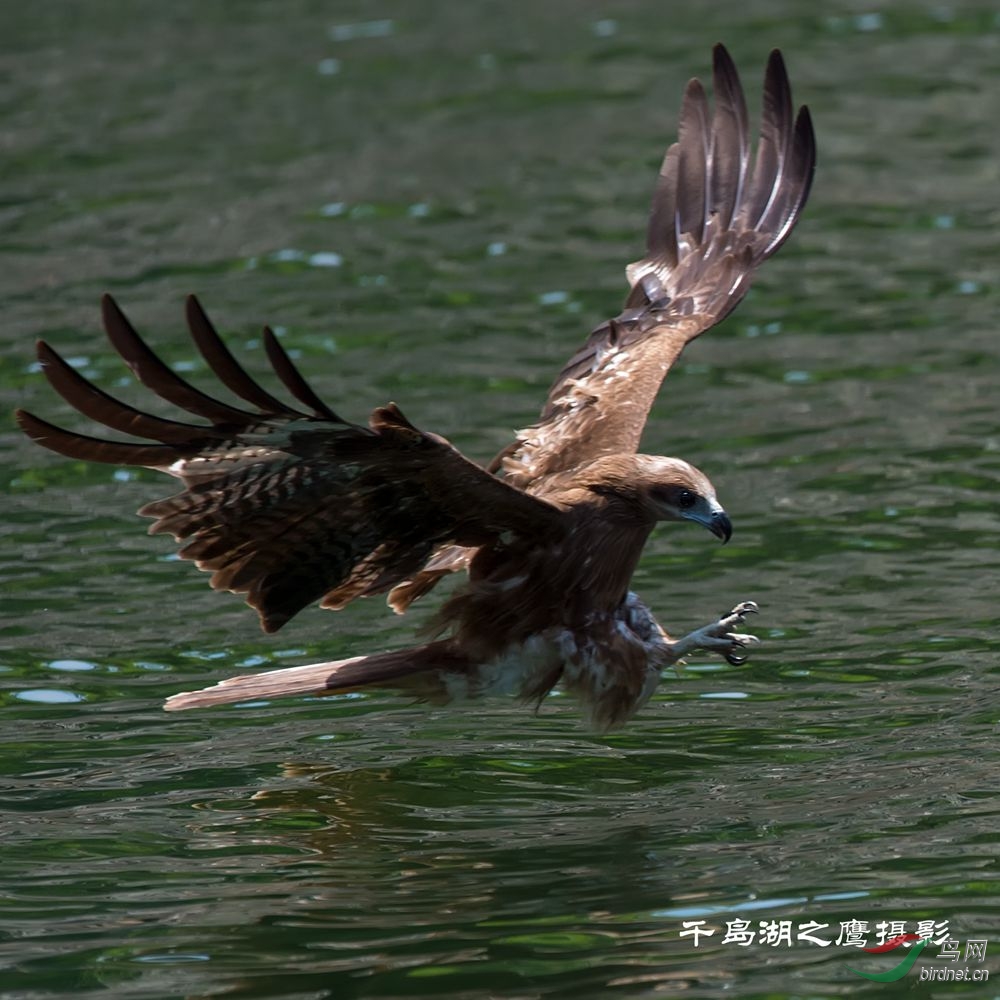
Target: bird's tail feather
{"points": [[420, 669]]}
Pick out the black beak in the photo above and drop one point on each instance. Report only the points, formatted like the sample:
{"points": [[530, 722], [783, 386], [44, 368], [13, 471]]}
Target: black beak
{"points": [[721, 526]]}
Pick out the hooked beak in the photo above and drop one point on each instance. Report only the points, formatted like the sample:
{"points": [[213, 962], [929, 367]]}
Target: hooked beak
{"points": [[720, 525], [715, 519]]}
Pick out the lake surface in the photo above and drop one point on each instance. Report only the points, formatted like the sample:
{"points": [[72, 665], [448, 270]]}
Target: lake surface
{"points": [[435, 207]]}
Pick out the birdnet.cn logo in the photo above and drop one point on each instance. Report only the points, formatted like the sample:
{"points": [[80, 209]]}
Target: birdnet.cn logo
{"points": [[950, 949], [894, 950]]}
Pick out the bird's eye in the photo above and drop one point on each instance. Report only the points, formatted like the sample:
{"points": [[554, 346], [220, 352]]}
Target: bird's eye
{"points": [[686, 499]]}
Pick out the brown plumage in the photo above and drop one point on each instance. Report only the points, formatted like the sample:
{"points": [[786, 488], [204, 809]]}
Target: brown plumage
{"points": [[293, 504]]}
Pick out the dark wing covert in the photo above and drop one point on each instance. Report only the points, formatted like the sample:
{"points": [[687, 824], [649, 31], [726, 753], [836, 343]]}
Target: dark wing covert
{"points": [[288, 506]]}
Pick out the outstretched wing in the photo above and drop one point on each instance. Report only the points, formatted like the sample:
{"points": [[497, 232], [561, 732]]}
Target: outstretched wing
{"points": [[713, 222], [285, 505]]}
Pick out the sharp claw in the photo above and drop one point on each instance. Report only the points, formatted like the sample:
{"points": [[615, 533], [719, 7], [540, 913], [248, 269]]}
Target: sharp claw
{"points": [[721, 637], [740, 642]]}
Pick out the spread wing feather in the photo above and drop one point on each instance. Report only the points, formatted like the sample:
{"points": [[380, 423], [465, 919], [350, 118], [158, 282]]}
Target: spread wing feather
{"points": [[713, 222], [288, 507]]}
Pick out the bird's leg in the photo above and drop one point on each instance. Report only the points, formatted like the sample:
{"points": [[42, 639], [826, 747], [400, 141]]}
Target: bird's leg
{"points": [[718, 637]]}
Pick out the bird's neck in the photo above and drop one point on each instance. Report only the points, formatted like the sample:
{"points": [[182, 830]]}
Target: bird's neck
{"points": [[516, 592], [609, 538]]}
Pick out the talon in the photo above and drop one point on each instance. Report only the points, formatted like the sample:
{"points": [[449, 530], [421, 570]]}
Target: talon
{"points": [[740, 642]]}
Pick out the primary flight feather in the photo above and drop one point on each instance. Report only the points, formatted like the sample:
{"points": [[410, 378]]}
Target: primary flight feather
{"points": [[293, 504]]}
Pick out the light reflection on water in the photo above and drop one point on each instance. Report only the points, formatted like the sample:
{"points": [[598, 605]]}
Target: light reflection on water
{"points": [[438, 217]]}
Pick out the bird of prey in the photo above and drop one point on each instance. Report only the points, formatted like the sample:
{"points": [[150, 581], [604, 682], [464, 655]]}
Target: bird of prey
{"points": [[291, 504]]}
